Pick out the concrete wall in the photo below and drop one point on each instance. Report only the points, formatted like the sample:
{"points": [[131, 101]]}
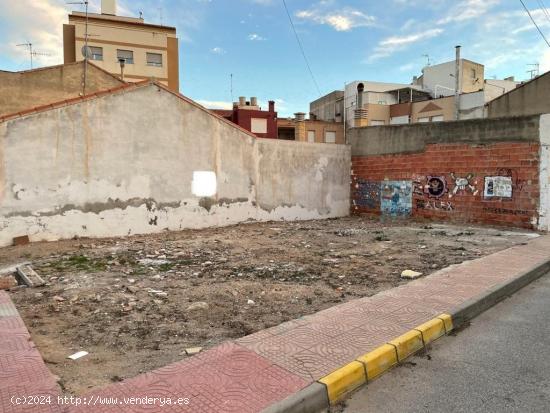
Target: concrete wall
{"points": [[485, 171], [528, 99], [544, 222], [25, 90], [124, 163]]}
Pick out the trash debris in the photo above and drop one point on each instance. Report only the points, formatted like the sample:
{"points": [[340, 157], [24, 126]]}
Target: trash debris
{"points": [[58, 298], [158, 293], [29, 277], [199, 305], [78, 355], [251, 302], [193, 350], [18, 241], [149, 261], [410, 275]]}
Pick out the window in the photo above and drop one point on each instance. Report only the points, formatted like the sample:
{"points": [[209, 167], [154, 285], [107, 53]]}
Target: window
{"points": [[377, 122], [473, 72], [127, 55], [423, 120], [154, 59], [258, 125], [439, 118], [96, 53], [311, 136], [330, 137]]}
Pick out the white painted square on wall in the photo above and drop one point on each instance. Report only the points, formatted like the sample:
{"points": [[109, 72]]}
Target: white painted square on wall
{"points": [[204, 183]]}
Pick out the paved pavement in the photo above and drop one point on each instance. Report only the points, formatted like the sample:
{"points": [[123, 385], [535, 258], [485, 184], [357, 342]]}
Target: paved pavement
{"points": [[501, 363], [257, 371]]}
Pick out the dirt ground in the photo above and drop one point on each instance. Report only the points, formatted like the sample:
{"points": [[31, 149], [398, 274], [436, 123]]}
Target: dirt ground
{"points": [[135, 304]]}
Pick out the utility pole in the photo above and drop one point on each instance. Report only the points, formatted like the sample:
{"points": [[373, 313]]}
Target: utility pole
{"points": [[86, 50], [457, 84]]}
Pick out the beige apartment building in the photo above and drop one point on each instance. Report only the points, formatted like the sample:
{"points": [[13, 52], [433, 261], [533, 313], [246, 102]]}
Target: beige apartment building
{"points": [[310, 130], [146, 50]]}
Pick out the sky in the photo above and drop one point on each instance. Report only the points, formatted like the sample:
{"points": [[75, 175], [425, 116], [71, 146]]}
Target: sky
{"points": [[344, 40]]}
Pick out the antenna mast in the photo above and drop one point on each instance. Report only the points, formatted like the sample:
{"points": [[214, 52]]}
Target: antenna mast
{"points": [[32, 53], [86, 49]]}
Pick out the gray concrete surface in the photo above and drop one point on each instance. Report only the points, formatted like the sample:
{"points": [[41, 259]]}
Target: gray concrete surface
{"points": [[500, 363]]}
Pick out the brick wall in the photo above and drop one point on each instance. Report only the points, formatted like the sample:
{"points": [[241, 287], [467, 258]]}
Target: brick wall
{"points": [[492, 184]]}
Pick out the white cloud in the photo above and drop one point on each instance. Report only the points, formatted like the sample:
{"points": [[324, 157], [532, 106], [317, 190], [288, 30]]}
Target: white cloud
{"points": [[37, 22], [390, 45], [467, 10], [218, 50], [255, 37], [341, 20], [545, 61]]}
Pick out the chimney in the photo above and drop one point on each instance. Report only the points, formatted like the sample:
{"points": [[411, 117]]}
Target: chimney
{"points": [[253, 101], [242, 101], [272, 106], [300, 131], [108, 7]]}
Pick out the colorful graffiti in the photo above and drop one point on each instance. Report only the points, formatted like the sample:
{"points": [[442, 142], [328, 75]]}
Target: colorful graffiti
{"points": [[464, 185], [396, 197], [498, 187], [367, 194], [431, 186]]}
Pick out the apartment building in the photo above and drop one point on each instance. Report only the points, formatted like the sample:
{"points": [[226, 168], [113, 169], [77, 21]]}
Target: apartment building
{"points": [[124, 46], [310, 130], [429, 98]]}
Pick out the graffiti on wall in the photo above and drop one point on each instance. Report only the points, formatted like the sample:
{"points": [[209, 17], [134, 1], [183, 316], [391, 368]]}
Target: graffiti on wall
{"points": [[464, 185], [430, 186], [396, 197], [368, 194], [434, 205], [498, 187], [502, 185]]}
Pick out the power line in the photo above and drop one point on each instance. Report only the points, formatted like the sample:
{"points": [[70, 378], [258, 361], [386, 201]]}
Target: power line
{"points": [[302, 49], [544, 9], [535, 23]]}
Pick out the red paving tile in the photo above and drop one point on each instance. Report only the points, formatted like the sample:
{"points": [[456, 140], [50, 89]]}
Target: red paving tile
{"points": [[258, 370]]}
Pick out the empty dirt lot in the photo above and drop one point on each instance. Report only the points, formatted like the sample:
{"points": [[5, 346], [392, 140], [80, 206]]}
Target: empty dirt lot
{"points": [[137, 303]]}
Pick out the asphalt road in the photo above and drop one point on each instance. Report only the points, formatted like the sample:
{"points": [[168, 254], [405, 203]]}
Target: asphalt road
{"points": [[500, 363]]}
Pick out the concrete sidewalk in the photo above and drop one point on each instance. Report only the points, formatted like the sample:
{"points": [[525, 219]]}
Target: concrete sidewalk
{"points": [[296, 361]]}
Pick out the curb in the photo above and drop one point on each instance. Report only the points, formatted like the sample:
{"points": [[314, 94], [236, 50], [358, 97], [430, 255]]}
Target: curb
{"points": [[334, 387], [493, 296]]}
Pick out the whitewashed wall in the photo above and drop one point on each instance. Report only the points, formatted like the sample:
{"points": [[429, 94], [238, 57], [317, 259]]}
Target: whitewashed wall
{"points": [[123, 164]]}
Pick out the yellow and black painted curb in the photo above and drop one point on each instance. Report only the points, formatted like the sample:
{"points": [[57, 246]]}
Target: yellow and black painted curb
{"points": [[371, 365], [330, 389]]}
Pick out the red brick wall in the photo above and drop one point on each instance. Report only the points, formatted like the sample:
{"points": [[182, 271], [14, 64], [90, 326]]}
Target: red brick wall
{"points": [[428, 186]]}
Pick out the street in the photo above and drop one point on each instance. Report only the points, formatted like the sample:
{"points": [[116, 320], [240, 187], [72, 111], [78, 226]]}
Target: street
{"points": [[500, 363]]}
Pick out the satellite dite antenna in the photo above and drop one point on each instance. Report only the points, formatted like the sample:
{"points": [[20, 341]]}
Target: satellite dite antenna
{"points": [[86, 52], [32, 53]]}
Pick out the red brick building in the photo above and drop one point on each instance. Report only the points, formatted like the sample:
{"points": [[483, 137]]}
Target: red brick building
{"points": [[248, 115]]}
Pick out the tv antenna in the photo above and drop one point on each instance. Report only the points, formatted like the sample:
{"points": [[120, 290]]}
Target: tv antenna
{"points": [[231, 87], [86, 50], [32, 53], [535, 70], [427, 56]]}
